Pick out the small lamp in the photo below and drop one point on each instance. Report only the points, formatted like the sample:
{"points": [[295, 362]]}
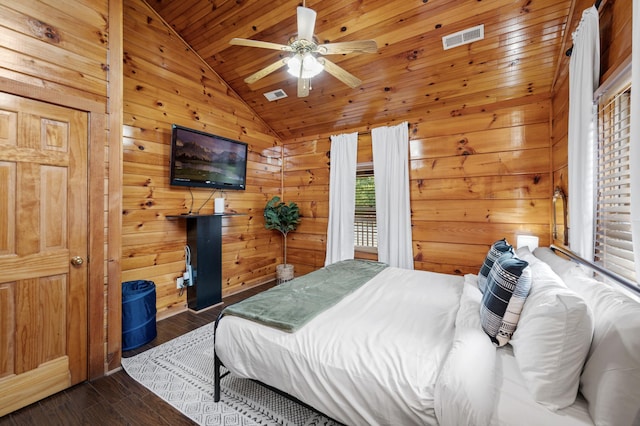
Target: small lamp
{"points": [[304, 65], [560, 203]]}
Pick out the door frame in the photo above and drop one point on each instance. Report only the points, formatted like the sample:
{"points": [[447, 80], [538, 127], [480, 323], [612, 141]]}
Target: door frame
{"points": [[105, 118], [95, 205]]}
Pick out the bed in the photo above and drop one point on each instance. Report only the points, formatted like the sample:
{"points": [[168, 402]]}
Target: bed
{"points": [[408, 347]]}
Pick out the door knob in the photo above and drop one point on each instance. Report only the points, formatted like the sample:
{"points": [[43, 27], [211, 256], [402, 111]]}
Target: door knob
{"points": [[77, 261]]}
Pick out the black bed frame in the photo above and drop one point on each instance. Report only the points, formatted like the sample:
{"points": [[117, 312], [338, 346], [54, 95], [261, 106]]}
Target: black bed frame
{"points": [[218, 375], [217, 363]]}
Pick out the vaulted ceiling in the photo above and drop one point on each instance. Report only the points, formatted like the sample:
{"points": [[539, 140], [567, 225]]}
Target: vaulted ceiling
{"points": [[410, 74]]}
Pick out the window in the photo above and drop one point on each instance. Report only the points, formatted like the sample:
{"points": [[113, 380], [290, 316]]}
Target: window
{"points": [[613, 243], [366, 231]]}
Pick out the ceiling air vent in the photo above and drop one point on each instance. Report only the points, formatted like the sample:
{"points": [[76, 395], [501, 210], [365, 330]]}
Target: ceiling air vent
{"points": [[275, 95], [463, 37]]}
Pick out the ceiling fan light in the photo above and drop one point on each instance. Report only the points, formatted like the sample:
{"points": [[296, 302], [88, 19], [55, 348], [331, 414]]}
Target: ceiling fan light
{"points": [[293, 65], [306, 66], [311, 66]]}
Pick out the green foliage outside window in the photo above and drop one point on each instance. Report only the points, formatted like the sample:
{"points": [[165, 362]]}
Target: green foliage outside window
{"points": [[365, 195]]}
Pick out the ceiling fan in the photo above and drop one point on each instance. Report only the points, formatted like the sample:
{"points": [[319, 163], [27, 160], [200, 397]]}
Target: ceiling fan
{"points": [[307, 59]]}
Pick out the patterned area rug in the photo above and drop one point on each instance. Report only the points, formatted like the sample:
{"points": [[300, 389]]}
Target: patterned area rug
{"points": [[181, 372]]}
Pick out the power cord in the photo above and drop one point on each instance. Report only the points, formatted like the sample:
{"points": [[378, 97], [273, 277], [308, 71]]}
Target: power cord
{"points": [[187, 267], [191, 207], [213, 191]]}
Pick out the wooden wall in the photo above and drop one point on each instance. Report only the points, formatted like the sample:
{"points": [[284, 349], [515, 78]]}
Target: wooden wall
{"points": [[475, 177], [165, 83], [615, 49], [36, 37]]}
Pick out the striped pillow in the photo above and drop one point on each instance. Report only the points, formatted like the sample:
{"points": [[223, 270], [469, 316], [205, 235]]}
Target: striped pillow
{"points": [[508, 285], [497, 249]]}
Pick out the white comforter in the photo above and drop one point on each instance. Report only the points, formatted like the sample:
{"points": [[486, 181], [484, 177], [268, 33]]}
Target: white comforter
{"points": [[406, 348], [372, 359], [465, 390]]}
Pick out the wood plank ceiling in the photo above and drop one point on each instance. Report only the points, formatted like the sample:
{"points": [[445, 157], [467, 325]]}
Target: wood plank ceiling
{"points": [[410, 74]]}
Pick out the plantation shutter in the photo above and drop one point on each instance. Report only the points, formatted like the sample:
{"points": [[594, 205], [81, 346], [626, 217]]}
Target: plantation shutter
{"points": [[613, 241]]}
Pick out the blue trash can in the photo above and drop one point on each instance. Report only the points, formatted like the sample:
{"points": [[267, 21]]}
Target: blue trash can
{"points": [[138, 313]]}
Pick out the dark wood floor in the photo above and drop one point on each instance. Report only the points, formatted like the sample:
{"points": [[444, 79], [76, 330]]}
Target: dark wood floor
{"points": [[117, 399]]}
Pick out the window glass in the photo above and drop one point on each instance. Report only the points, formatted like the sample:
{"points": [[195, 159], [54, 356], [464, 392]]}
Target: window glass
{"points": [[366, 231]]}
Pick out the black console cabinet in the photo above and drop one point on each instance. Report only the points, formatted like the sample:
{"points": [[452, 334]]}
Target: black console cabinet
{"points": [[204, 237]]}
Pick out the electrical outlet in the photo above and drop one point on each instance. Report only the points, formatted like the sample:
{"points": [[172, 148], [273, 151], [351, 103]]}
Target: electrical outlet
{"points": [[186, 279], [179, 283]]}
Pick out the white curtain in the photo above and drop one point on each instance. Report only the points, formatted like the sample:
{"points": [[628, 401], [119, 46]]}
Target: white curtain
{"points": [[584, 74], [342, 198], [393, 209], [634, 151]]}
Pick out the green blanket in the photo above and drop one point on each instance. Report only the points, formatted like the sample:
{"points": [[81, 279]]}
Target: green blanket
{"points": [[292, 304]]}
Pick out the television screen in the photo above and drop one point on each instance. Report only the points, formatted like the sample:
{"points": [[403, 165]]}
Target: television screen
{"points": [[206, 160]]}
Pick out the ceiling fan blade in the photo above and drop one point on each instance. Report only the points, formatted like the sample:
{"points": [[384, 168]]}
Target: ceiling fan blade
{"points": [[340, 73], [265, 71], [258, 43], [306, 23], [303, 87], [362, 46]]}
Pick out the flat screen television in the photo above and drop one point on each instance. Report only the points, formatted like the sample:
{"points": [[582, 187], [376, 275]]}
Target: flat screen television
{"points": [[205, 160]]}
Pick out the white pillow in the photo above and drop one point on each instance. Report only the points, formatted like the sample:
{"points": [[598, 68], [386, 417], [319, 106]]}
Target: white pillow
{"points": [[468, 315], [610, 381], [553, 338], [559, 265], [523, 251]]}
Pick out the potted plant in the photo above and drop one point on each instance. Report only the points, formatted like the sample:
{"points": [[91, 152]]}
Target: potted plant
{"points": [[285, 218]]}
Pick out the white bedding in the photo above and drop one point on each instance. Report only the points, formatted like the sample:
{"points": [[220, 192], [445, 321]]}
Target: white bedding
{"points": [[465, 389], [514, 405], [406, 348], [371, 359]]}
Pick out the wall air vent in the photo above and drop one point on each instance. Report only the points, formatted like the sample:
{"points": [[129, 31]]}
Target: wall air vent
{"points": [[275, 95], [463, 37]]}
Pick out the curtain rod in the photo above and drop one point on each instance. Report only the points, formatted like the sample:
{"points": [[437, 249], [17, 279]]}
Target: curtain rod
{"points": [[368, 132], [597, 5]]}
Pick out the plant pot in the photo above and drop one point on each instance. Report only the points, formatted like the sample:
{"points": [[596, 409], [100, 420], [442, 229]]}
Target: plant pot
{"points": [[284, 272]]}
